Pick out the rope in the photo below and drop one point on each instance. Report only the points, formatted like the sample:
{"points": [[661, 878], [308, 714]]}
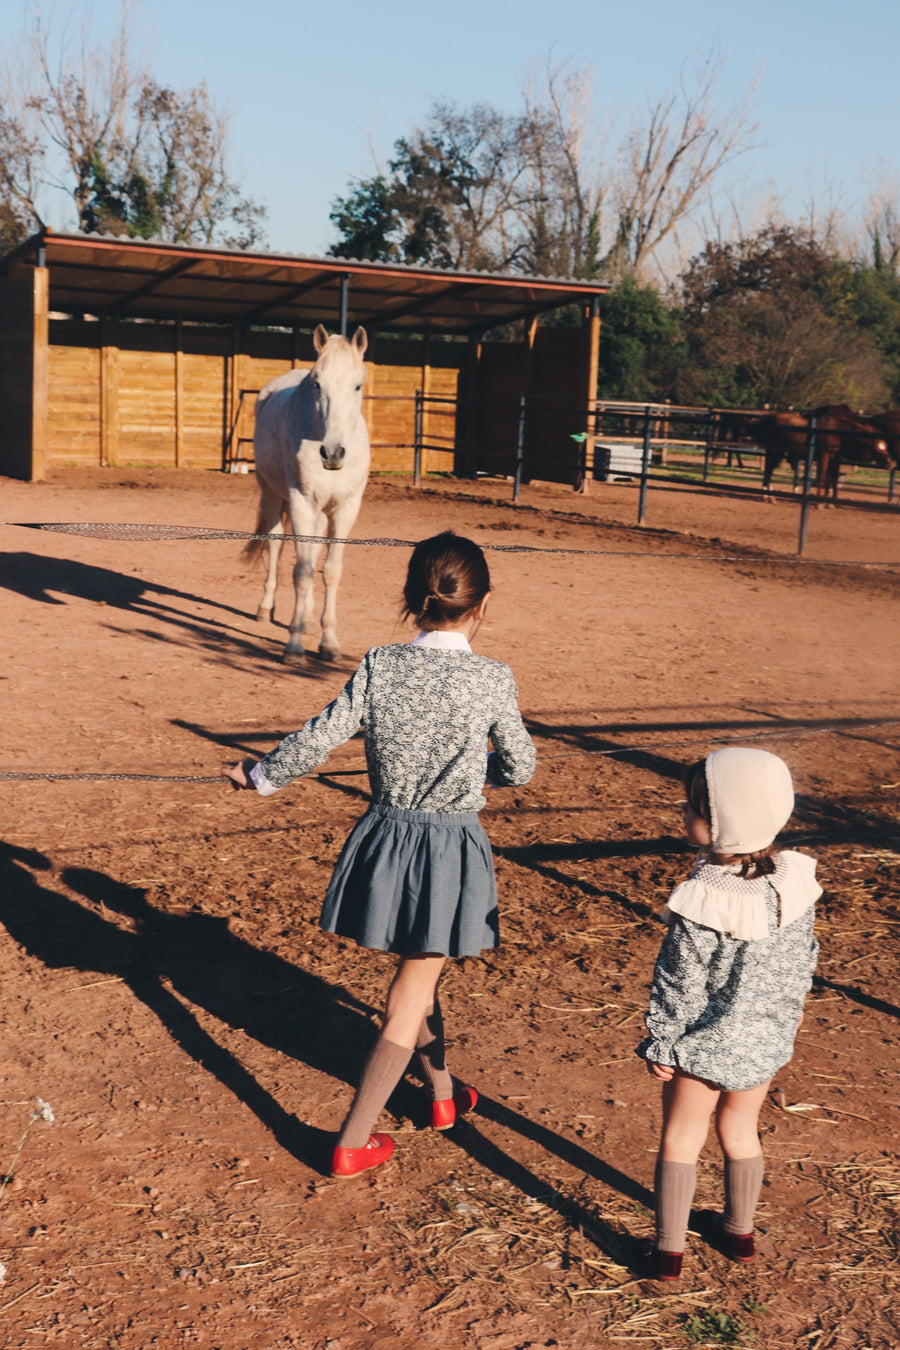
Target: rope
{"points": [[772, 735], [159, 533]]}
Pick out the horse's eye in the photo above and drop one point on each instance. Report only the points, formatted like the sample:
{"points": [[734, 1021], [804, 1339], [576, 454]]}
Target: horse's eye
{"points": [[316, 383], [358, 387]]}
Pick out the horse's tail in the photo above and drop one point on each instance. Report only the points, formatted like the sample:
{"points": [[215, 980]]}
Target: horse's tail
{"points": [[254, 547]]}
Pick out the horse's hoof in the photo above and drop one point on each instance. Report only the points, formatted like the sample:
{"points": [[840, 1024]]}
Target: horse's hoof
{"points": [[329, 653], [292, 657]]}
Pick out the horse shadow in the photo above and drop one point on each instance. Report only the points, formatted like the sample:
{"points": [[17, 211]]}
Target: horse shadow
{"points": [[170, 960], [49, 581]]}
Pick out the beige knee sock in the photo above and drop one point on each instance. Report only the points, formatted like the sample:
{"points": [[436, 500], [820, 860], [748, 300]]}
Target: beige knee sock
{"points": [[383, 1071], [743, 1181], [431, 1051], [674, 1190]]}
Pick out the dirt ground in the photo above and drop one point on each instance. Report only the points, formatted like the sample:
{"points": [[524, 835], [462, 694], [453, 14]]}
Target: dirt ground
{"points": [[164, 986]]}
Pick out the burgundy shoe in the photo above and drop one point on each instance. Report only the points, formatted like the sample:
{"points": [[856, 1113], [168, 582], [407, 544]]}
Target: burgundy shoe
{"points": [[443, 1114], [657, 1265], [347, 1162], [738, 1247]]}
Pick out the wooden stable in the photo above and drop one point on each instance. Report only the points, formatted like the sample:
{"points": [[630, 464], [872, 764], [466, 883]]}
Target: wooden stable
{"points": [[119, 352]]}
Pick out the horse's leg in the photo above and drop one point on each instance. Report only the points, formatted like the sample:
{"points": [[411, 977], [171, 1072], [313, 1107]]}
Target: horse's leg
{"points": [[269, 522], [302, 522], [339, 526]]}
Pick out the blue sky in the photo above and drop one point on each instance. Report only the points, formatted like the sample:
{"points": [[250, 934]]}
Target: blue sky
{"points": [[309, 88]]}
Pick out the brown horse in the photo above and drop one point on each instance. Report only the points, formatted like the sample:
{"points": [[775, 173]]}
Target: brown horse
{"points": [[888, 423], [841, 436]]}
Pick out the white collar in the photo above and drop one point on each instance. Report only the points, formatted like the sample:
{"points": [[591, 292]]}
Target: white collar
{"points": [[448, 639]]}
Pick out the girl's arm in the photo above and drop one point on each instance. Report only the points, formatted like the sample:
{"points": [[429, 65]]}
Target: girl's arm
{"points": [[679, 992], [514, 758], [302, 750]]}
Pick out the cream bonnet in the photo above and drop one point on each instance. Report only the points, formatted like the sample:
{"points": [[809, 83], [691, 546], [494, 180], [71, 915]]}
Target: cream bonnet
{"points": [[751, 798]]}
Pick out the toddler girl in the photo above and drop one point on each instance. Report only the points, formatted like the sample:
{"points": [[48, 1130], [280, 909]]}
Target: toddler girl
{"points": [[416, 875], [728, 989]]}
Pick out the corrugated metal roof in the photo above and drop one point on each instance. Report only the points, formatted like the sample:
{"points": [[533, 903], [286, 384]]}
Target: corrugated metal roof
{"points": [[130, 278]]}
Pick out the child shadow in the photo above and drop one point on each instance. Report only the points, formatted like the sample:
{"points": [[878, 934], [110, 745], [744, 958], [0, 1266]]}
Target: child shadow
{"points": [[620, 1247], [271, 1000]]}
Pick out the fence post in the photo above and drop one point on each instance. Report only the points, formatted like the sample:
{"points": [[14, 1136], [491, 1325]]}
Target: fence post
{"points": [[707, 451], [520, 447], [891, 478], [807, 479], [645, 468], [417, 452]]}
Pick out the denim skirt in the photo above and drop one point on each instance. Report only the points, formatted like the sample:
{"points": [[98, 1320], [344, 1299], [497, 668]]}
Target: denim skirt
{"points": [[415, 881]]}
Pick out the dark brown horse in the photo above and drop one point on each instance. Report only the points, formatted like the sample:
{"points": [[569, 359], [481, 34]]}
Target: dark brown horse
{"points": [[841, 436]]}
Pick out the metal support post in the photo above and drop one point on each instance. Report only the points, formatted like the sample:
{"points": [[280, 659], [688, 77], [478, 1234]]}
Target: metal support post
{"points": [[807, 480], [707, 452], [345, 286], [417, 460], [520, 447], [645, 467]]}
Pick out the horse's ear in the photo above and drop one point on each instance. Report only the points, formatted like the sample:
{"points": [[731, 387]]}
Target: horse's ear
{"points": [[360, 341], [320, 337]]}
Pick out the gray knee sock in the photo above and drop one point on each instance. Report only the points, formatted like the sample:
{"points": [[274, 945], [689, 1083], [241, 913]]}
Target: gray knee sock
{"points": [[743, 1180], [431, 1051], [674, 1185], [383, 1071]]}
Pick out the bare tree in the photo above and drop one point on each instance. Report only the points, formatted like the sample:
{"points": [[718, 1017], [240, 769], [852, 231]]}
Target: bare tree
{"points": [[80, 96], [21, 164], [669, 163], [563, 188], [135, 157], [882, 222]]}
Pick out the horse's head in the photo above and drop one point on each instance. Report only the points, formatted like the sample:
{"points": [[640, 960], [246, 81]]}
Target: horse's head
{"points": [[338, 378]]}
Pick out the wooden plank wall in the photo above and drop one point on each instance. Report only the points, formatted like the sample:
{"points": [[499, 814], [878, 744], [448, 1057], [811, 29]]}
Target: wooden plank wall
{"points": [[167, 394], [559, 390]]}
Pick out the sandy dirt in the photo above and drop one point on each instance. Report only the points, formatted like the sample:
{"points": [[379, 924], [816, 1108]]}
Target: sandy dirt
{"points": [[165, 988]]}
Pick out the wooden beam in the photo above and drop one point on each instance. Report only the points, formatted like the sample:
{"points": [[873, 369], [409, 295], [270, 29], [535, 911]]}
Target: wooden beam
{"points": [[592, 370], [386, 316], [184, 265]]}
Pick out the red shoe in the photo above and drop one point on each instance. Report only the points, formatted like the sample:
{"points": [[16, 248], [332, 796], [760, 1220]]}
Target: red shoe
{"points": [[738, 1247], [657, 1265], [347, 1162], [443, 1114]]}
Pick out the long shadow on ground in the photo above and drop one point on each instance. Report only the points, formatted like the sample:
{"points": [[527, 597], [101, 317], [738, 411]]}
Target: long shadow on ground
{"points": [[271, 1000]]}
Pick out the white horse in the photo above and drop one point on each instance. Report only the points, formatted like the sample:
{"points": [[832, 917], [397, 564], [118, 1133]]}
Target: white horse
{"points": [[311, 447]]}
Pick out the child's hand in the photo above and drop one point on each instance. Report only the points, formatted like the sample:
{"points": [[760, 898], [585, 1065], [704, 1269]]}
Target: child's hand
{"points": [[239, 774], [661, 1071]]}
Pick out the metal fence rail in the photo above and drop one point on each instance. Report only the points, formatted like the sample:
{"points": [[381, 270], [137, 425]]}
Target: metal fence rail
{"points": [[693, 431]]}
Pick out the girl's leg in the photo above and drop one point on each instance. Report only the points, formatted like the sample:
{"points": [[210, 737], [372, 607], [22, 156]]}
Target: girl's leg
{"points": [[411, 993], [737, 1125], [687, 1106], [432, 1053]]}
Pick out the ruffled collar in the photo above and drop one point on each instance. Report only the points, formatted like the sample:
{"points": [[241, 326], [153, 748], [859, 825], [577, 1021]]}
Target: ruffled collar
{"points": [[720, 898]]}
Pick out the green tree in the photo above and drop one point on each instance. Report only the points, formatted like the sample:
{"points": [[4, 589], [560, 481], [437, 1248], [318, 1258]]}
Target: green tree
{"points": [[641, 344], [874, 306], [445, 198], [768, 320]]}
